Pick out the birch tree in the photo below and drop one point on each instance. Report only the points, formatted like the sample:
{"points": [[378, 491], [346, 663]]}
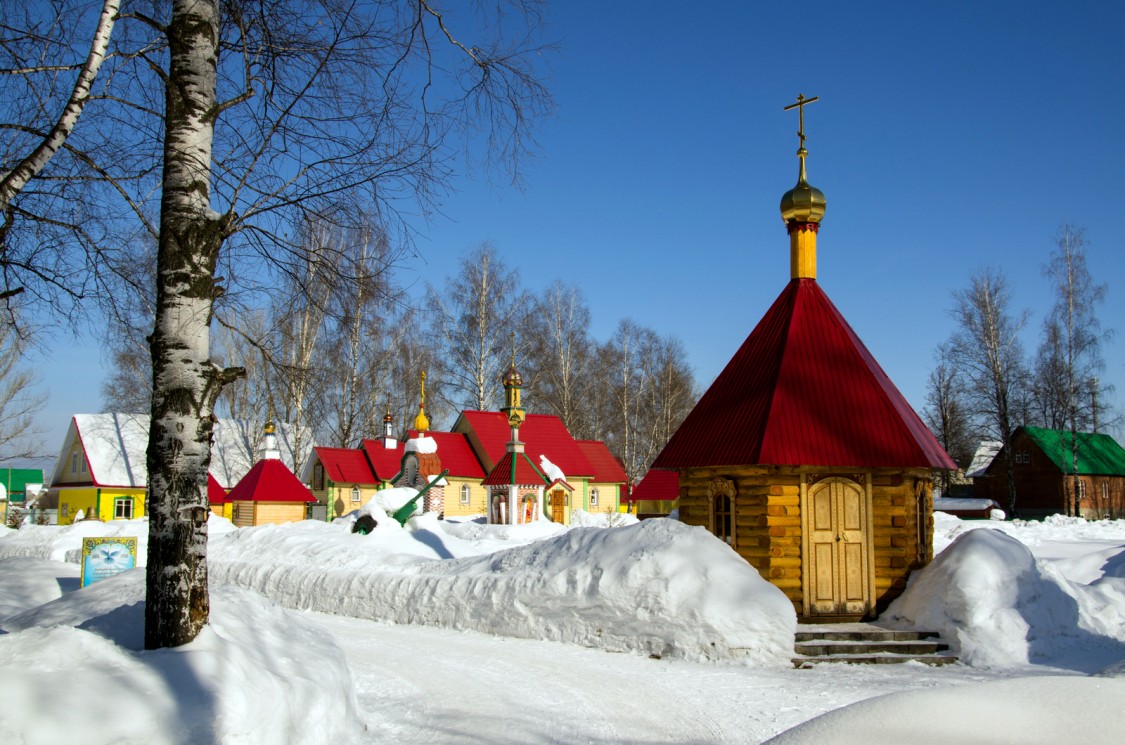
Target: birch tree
{"points": [[947, 414], [986, 350], [473, 317], [558, 377], [1072, 341], [242, 120]]}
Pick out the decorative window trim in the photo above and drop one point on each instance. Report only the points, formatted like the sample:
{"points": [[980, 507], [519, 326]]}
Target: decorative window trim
{"points": [[594, 497], [466, 493], [355, 493]]}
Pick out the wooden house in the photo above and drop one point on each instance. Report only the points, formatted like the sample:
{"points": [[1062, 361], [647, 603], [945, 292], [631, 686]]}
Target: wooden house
{"points": [[269, 493], [1043, 465], [803, 456], [218, 499]]}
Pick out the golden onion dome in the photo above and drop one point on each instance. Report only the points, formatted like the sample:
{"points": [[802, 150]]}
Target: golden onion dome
{"points": [[421, 422], [512, 377], [803, 203]]}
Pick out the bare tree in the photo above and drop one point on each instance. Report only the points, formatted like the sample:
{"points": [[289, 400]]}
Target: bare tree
{"points": [[947, 415], [1073, 339], [651, 390], [243, 119], [986, 351], [19, 406], [45, 85], [473, 317], [557, 378]]}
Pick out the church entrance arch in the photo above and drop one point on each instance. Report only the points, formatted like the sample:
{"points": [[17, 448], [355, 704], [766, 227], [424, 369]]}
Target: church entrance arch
{"points": [[837, 548]]}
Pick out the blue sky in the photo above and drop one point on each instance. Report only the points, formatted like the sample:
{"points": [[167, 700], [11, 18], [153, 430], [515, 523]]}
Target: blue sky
{"points": [[948, 137]]}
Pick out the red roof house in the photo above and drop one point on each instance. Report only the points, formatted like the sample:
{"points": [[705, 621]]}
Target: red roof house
{"points": [[269, 494], [802, 454]]}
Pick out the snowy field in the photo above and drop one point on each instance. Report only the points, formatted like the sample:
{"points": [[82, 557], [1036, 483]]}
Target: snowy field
{"points": [[653, 632]]}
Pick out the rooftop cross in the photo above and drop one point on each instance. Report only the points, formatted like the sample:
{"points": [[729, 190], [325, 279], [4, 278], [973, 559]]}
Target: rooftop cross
{"points": [[802, 102]]}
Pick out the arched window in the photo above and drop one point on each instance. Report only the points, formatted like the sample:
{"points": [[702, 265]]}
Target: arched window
{"points": [[355, 493], [465, 493], [594, 497], [723, 526]]}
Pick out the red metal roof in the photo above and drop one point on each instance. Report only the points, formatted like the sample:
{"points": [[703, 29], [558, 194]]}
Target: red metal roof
{"points": [[657, 485], [270, 480], [385, 462], [216, 494], [543, 434], [346, 466], [803, 390], [606, 468], [515, 468], [456, 454]]}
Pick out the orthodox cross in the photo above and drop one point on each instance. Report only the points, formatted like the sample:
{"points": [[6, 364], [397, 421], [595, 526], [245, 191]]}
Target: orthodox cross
{"points": [[513, 349], [423, 388], [802, 102]]}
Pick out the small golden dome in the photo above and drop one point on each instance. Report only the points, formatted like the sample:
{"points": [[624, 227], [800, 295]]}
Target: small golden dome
{"points": [[803, 203], [512, 377], [421, 422]]}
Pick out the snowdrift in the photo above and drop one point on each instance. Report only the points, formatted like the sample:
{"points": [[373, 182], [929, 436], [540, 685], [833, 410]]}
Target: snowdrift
{"points": [[658, 587], [73, 670], [999, 606]]}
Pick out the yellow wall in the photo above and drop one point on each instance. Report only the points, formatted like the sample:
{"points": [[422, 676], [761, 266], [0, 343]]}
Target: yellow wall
{"points": [[223, 510], [88, 498], [478, 497], [75, 470], [338, 497], [248, 514]]}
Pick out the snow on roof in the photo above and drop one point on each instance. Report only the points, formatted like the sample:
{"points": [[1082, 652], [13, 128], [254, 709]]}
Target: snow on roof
{"points": [[421, 444], [115, 445], [983, 458], [550, 470]]}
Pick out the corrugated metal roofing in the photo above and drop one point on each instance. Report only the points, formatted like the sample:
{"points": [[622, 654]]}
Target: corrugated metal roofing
{"points": [[385, 462], [215, 493], [456, 454], [346, 466], [543, 434], [270, 481], [515, 468], [657, 485], [606, 468], [803, 390], [1098, 454]]}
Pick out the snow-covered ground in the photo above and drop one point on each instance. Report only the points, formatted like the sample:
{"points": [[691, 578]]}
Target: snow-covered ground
{"points": [[444, 632]]}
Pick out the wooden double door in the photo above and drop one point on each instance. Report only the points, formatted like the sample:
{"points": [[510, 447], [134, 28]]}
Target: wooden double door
{"points": [[837, 524]]}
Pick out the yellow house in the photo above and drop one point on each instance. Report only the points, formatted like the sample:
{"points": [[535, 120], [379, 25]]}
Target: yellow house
{"points": [[101, 467]]}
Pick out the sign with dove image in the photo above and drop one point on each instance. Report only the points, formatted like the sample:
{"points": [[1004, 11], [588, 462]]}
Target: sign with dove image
{"points": [[105, 557]]}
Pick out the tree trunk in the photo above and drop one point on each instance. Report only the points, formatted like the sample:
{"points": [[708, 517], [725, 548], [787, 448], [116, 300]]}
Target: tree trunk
{"points": [[185, 383]]}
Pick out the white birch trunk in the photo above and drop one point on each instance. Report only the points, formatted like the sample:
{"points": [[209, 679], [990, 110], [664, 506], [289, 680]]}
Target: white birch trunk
{"points": [[185, 382]]}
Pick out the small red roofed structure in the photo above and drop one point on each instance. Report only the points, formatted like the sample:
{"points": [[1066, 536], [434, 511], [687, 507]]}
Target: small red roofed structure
{"points": [[269, 493], [656, 494], [803, 456], [217, 498]]}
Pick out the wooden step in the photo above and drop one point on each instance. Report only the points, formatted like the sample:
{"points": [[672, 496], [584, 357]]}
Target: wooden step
{"points": [[865, 644]]}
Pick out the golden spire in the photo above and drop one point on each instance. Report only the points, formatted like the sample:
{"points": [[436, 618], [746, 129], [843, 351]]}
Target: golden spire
{"points": [[513, 382], [421, 422], [802, 207]]}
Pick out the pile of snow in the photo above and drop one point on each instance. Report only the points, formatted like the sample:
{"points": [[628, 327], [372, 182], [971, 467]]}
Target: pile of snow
{"points": [[64, 542], [73, 669], [553, 472], [1000, 606], [659, 587], [420, 444], [1048, 710], [610, 519]]}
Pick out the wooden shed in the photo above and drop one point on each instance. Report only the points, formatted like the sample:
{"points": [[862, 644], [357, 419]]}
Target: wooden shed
{"points": [[269, 493], [803, 455]]}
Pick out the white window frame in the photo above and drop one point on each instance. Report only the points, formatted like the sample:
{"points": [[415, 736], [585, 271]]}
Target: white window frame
{"points": [[466, 493], [118, 504], [355, 493], [594, 497]]}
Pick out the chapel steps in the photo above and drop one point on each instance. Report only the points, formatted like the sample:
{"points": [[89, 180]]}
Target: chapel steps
{"points": [[865, 644]]}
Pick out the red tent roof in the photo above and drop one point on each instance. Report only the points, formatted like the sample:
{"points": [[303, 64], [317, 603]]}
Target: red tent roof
{"points": [[385, 462], [543, 434], [216, 494], [346, 466], [606, 468], [456, 454], [657, 485], [515, 468], [803, 390], [270, 480]]}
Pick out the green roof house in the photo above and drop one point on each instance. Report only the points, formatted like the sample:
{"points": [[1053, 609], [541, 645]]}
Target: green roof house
{"points": [[1044, 461]]}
